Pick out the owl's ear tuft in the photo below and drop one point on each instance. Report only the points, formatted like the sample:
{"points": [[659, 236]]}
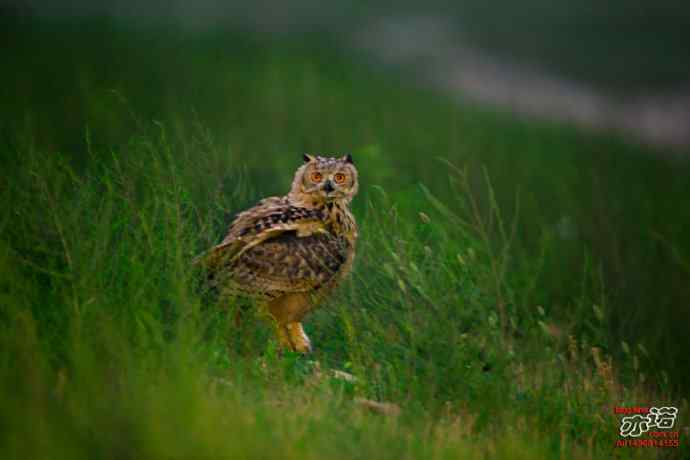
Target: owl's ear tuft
{"points": [[348, 159], [307, 158]]}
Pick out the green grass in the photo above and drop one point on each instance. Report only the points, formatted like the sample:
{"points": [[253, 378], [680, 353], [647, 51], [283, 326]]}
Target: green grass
{"points": [[494, 319]]}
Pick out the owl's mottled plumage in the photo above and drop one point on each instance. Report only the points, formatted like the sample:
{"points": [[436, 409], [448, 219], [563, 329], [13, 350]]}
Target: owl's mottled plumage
{"points": [[289, 252]]}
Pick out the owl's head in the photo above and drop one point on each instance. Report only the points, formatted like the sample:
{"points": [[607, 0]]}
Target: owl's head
{"points": [[321, 180]]}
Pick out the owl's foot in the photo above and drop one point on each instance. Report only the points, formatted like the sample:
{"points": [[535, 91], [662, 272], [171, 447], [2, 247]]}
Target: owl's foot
{"points": [[293, 337]]}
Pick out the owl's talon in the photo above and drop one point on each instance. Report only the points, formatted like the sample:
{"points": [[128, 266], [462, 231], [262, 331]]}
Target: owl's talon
{"points": [[297, 339]]}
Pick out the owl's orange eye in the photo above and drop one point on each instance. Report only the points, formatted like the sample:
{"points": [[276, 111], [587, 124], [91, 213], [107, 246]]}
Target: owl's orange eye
{"points": [[316, 176], [339, 178]]}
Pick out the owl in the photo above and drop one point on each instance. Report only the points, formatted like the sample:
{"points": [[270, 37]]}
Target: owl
{"points": [[289, 252]]}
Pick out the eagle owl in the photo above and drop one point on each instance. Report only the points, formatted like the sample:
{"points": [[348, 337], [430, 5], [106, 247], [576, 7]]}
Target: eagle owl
{"points": [[288, 252]]}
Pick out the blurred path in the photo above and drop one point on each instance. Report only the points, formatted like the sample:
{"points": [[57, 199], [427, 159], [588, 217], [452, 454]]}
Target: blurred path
{"points": [[429, 47], [432, 48]]}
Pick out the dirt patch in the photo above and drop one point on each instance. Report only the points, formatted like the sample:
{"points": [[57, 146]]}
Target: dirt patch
{"points": [[430, 47]]}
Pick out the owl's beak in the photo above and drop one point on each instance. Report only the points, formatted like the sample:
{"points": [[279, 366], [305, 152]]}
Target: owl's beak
{"points": [[328, 187]]}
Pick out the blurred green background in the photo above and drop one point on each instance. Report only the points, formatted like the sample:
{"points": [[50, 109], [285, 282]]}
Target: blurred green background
{"points": [[129, 138]]}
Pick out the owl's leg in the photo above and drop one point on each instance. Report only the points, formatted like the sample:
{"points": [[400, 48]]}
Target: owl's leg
{"points": [[287, 311], [293, 337]]}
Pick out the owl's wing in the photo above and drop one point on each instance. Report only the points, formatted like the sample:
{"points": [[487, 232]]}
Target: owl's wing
{"points": [[287, 263], [271, 214], [270, 219]]}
